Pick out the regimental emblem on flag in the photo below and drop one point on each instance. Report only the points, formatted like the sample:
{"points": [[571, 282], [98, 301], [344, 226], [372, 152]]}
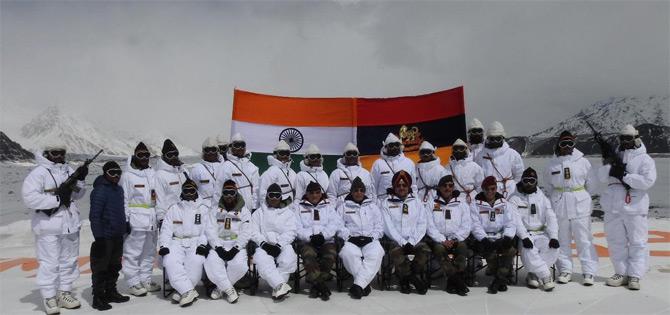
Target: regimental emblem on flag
{"points": [[293, 137], [411, 138]]}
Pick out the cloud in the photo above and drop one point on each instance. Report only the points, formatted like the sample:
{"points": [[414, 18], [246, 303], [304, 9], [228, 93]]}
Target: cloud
{"points": [[172, 66]]}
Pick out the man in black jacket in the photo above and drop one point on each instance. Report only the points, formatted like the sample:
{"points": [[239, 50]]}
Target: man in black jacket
{"points": [[108, 223]]}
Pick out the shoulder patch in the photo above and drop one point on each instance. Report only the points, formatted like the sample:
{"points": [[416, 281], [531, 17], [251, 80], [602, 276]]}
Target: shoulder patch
{"points": [[555, 172], [139, 186]]}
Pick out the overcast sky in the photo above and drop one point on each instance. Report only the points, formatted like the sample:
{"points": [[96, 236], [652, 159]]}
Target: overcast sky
{"points": [[172, 66]]}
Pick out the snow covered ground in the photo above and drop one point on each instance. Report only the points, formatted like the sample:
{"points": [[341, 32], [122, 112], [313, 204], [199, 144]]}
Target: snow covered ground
{"points": [[19, 295]]}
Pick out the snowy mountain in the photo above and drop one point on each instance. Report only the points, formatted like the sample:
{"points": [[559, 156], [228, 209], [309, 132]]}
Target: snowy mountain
{"points": [[12, 151], [650, 115], [610, 115], [83, 137]]}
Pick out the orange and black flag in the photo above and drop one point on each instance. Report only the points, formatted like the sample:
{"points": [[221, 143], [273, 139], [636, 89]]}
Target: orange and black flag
{"points": [[331, 123]]}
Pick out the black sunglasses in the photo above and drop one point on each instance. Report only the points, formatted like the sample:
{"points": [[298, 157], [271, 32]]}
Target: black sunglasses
{"points": [[239, 145], [56, 153], [171, 154], [496, 139], [274, 195], [426, 152], [210, 150], [114, 172], [189, 191], [529, 180], [229, 192], [459, 148], [393, 145], [476, 131], [314, 157], [143, 155], [626, 138], [283, 153], [351, 153]]}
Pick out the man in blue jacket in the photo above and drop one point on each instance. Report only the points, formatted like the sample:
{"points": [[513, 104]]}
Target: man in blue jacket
{"points": [[108, 223]]}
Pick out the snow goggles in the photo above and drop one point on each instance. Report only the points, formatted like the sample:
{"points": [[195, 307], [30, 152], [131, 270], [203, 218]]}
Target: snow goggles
{"points": [[274, 195], [314, 157], [229, 192], [210, 150], [626, 138], [393, 145], [529, 180], [189, 191], [171, 154], [239, 145], [56, 153], [495, 138], [566, 144], [113, 172], [426, 152], [476, 131], [283, 153], [142, 155], [223, 148], [351, 153], [459, 148]]}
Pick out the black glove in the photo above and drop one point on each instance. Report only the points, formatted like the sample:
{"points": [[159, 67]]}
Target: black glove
{"points": [[618, 171], [317, 240], [553, 243], [202, 250], [82, 171], [64, 194], [527, 243], [506, 242], [485, 245], [48, 212], [251, 248], [163, 251], [231, 254], [220, 251], [360, 241], [408, 249], [272, 250]]}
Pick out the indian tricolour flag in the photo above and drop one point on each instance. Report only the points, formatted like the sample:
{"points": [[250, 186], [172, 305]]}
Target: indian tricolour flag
{"points": [[331, 123]]}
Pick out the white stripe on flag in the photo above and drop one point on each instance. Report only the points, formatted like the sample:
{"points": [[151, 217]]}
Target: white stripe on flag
{"points": [[263, 138]]}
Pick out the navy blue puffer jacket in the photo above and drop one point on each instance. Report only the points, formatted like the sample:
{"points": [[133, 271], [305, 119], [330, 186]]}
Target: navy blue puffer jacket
{"points": [[107, 216]]}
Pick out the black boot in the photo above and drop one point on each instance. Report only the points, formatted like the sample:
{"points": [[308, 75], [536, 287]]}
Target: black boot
{"points": [[99, 303], [502, 285], [314, 292], [459, 284], [493, 287], [451, 286], [367, 290], [419, 285], [112, 295], [404, 286], [325, 292], [356, 292]]}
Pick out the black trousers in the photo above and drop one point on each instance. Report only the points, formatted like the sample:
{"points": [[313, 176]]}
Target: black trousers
{"points": [[105, 264]]}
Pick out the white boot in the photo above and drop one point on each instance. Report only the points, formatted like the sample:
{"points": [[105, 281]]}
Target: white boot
{"points": [[188, 298], [617, 280], [151, 286], [67, 300], [634, 283], [216, 294], [532, 281], [281, 291], [175, 297], [231, 295], [137, 290], [564, 277], [588, 280], [548, 284], [51, 306]]}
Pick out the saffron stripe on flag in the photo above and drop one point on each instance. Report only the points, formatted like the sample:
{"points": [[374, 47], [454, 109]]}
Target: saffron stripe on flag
{"points": [[409, 109], [443, 153], [293, 111], [263, 138]]}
